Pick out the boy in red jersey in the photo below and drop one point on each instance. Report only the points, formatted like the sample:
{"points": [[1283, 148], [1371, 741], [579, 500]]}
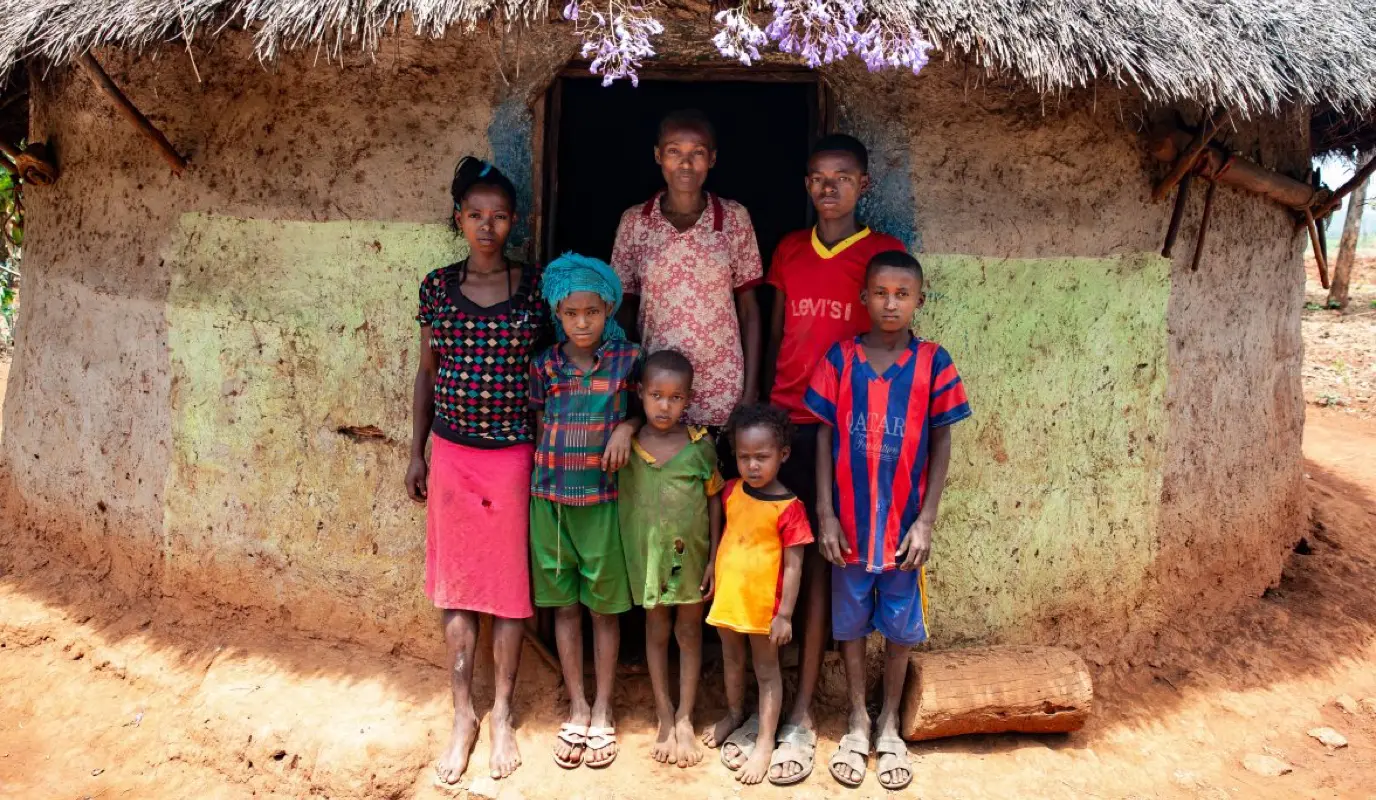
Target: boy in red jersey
{"points": [[818, 275], [887, 400]]}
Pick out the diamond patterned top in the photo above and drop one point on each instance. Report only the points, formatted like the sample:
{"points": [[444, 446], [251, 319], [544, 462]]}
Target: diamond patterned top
{"points": [[482, 393]]}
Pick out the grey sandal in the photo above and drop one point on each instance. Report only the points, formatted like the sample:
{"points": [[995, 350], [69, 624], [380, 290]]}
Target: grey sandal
{"points": [[853, 752], [893, 754], [797, 745], [744, 739]]}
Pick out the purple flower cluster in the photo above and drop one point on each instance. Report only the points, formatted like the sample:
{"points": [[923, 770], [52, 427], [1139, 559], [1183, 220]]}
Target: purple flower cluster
{"points": [[739, 38], [615, 41], [887, 44], [818, 31]]}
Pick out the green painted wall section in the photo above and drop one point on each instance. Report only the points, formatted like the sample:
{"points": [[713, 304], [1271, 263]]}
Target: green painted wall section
{"points": [[281, 333], [1052, 506]]}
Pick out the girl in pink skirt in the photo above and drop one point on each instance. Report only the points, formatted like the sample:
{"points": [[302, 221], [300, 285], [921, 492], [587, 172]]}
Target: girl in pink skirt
{"points": [[481, 321]]}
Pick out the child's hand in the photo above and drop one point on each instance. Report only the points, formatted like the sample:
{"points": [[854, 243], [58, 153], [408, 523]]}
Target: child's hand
{"points": [[708, 587], [916, 546], [833, 543], [618, 450], [417, 479], [780, 631]]}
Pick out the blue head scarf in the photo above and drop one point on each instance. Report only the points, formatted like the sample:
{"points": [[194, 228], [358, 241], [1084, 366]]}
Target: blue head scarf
{"points": [[571, 273]]}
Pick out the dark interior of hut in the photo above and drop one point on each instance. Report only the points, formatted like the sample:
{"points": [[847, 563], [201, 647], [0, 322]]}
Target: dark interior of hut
{"points": [[764, 131], [599, 161]]}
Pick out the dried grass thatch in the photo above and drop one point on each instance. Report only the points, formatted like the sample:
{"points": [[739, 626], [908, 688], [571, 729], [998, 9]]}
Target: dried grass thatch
{"points": [[1255, 55]]}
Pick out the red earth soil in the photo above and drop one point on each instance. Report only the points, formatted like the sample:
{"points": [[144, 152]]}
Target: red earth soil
{"points": [[165, 698]]}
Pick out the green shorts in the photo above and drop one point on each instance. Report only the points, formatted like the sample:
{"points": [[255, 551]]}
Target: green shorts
{"points": [[576, 557]]}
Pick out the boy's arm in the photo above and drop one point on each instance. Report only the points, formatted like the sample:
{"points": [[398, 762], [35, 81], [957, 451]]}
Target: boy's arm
{"points": [[781, 629], [832, 544], [618, 449], [536, 400], [629, 316], [714, 526], [776, 336], [748, 313], [917, 544]]}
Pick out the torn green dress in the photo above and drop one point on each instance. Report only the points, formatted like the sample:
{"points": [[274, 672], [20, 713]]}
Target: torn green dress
{"points": [[664, 525]]}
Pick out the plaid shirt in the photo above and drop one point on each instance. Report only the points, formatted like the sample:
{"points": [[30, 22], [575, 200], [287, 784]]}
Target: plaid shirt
{"points": [[580, 410]]}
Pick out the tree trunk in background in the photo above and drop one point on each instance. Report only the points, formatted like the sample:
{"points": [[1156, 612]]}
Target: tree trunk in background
{"points": [[1347, 245]]}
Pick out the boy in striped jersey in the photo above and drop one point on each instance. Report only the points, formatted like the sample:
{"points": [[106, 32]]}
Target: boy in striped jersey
{"points": [[887, 400]]}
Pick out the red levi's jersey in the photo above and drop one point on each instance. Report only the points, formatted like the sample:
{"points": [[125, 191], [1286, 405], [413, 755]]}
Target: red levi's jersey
{"points": [[821, 291]]}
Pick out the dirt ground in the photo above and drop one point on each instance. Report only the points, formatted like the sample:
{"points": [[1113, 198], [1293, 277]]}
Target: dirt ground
{"points": [[168, 698], [1340, 347]]}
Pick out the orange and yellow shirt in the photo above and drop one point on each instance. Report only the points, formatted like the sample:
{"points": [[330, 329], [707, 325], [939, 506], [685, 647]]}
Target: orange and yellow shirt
{"points": [[750, 559]]}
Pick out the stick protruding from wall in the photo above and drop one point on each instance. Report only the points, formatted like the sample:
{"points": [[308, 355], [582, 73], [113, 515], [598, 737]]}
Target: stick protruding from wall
{"points": [[127, 108]]}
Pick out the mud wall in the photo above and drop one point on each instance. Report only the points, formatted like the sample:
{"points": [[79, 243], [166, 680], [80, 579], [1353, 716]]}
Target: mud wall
{"points": [[1178, 488], [192, 347]]}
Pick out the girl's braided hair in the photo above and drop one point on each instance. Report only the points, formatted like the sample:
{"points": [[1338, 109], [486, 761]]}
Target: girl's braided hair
{"points": [[761, 415], [473, 172]]}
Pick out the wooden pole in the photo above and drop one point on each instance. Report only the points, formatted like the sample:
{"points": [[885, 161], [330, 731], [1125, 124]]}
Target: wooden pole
{"points": [[532, 636], [1191, 154], [1318, 251], [136, 118], [1316, 180], [1347, 188], [1204, 225], [1182, 196], [1239, 173]]}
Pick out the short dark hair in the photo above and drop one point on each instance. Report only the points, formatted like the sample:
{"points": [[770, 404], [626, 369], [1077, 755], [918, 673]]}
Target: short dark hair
{"points": [[472, 172], [689, 119], [842, 143], [893, 259], [761, 415], [669, 361]]}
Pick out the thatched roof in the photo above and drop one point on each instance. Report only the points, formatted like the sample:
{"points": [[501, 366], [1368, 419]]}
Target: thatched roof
{"points": [[1252, 54]]}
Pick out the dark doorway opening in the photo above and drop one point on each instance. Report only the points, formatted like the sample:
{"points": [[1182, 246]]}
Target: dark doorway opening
{"points": [[600, 158], [599, 161]]}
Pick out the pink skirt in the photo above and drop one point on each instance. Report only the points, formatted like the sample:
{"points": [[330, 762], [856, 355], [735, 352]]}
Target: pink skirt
{"points": [[477, 544]]}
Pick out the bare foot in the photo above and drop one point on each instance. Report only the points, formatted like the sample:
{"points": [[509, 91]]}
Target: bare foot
{"points": [[756, 767], [572, 754], [663, 750], [715, 735], [455, 759], [505, 756], [687, 753]]}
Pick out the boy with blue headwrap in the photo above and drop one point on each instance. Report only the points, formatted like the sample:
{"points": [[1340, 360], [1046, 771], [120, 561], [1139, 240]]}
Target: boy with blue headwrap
{"points": [[580, 390]]}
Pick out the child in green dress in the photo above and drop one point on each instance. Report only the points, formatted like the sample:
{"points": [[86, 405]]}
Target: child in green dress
{"points": [[671, 521]]}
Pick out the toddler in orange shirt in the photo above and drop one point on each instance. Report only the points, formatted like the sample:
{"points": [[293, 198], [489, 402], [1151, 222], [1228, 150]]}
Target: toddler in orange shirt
{"points": [[759, 562]]}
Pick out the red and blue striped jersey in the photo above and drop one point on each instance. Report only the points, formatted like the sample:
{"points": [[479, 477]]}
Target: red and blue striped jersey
{"points": [[883, 427]]}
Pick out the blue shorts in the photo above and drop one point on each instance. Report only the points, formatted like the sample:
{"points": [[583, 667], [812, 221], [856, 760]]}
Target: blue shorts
{"points": [[892, 602]]}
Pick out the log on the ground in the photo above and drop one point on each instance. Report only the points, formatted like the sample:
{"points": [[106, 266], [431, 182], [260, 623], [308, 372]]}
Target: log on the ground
{"points": [[995, 690]]}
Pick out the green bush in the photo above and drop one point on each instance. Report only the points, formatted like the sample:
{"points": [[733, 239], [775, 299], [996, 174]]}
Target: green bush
{"points": [[11, 243]]}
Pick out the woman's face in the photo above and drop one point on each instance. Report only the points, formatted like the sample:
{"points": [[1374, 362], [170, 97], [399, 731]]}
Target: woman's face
{"points": [[685, 156], [485, 219]]}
